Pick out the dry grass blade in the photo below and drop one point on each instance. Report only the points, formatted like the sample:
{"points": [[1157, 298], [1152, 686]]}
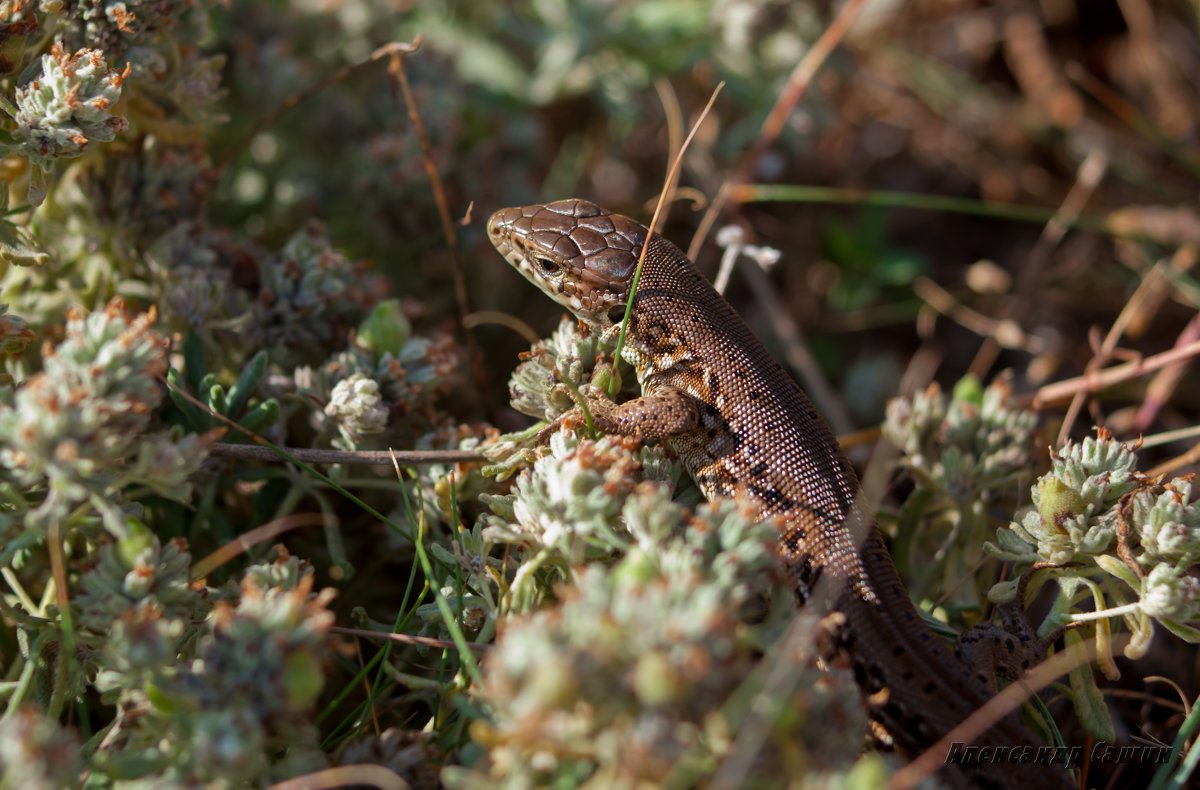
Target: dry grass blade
{"points": [[664, 200], [260, 534], [295, 100], [1163, 385], [1062, 391], [501, 318], [367, 775], [407, 639], [1105, 353], [1171, 465], [999, 706], [797, 86], [400, 75], [1004, 333]]}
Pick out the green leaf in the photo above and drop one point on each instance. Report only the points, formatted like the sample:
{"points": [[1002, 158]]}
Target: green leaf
{"points": [[246, 385], [216, 399], [385, 330], [1115, 567], [969, 389], [900, 268], [196, 419], [1185, 632], [261, 416], [1089, 703], [194, 363], [443, 555]]}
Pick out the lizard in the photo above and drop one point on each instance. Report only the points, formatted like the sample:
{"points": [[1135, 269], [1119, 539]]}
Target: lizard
{"points": [[741, 426]]}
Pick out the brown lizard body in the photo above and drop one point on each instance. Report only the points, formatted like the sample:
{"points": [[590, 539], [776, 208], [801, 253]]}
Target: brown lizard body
{"points": [[742, 427]]}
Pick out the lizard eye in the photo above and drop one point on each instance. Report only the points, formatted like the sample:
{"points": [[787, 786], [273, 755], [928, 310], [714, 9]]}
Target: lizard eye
{"points": [[546, 265]]}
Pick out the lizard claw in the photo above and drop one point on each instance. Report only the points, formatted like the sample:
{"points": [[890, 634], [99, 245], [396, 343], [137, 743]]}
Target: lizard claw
{"points": [[568, 419]]}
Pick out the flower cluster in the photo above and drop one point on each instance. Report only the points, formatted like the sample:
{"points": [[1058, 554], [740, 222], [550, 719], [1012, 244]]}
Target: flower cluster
{"points": [[624, 681], [964, 454], [555, 375], [383, 388], [975, 442], [1075, 511], [228, 701], [37, 753], [1131, 543], [206, 284], [543, 384], [148, 190], [137, 573], [66, 107], [116, 24], [357, 407], [573, 500], [310, 297], [83, 423]]}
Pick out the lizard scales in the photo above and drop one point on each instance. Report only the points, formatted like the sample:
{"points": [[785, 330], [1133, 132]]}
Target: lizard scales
{"points": [[742, 427]]}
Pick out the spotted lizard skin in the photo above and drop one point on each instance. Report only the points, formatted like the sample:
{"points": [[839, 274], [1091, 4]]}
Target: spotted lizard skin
{"points": [[741, 426]]}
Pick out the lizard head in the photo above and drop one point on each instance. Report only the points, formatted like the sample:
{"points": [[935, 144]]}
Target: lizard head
{"points": [[582, 256]]}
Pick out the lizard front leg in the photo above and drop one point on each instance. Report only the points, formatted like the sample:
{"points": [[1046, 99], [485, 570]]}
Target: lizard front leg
{"points": [[663, 413]]}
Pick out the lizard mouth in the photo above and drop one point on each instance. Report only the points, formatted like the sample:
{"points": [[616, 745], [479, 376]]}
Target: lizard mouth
{"points": [[514, 250], [538, 268], [500, 232]]}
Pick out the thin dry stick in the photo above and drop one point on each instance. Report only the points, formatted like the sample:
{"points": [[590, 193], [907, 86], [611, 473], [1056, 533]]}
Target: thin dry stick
{"points": [[260, 534], [1105, 352], [58, 571], [266, 451], [797, 85], [1004, 333], [501, 318], [1192, 456], [409, 639], [673, 114], [400, 74], [1162, 386], [1166, 437], [995, 709], [1061, 391], [254, 452], [293, 101], [368, 774]]}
